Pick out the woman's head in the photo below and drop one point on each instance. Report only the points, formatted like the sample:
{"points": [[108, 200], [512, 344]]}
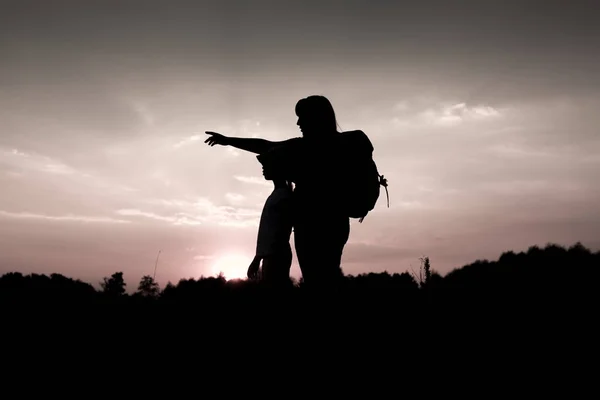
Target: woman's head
{"points": [[316, 116]]}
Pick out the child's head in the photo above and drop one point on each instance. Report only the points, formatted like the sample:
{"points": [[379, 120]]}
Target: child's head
{"points": [[278, 181], [271, 168], [272, 173]]}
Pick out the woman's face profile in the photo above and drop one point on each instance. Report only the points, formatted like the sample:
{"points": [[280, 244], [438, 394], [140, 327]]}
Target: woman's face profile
{"points": [[307, 127]]}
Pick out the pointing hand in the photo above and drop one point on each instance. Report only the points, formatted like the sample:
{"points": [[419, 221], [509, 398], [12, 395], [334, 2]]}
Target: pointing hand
{"points": [[216, 138]]}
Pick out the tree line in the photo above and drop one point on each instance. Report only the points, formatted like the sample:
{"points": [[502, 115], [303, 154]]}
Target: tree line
{"points": [[554, 273]]}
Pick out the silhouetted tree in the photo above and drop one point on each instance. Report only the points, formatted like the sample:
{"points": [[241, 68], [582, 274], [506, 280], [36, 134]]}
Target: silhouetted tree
{"points": [[425, 272], [427, 269], [115, 285], [148, 287]]}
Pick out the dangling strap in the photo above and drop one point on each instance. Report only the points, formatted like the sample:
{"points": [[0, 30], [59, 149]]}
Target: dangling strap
{"points": [[383, 182]]}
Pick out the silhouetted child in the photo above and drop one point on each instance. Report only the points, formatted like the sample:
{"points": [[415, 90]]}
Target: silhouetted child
{"points": [[273, 240]]}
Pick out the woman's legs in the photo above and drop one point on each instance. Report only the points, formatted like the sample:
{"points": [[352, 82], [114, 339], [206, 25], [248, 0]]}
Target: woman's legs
{"points": [[319, 246]]}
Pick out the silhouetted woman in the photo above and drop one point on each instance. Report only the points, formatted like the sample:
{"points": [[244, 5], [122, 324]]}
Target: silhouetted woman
{"points": [[321, 229]]}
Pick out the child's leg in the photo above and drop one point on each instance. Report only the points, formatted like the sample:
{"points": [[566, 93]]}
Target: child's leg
{"points": [[276, 267]]}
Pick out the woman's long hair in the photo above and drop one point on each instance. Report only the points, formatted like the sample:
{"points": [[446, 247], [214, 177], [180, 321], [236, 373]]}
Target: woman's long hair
{"points": [[319, 110]]}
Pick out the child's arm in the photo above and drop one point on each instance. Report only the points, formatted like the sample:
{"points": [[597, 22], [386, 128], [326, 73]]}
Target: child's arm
{"points": [[254, 267]]}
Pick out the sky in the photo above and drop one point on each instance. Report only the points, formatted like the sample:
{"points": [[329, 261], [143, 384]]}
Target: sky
{"points": [[483, 114]]}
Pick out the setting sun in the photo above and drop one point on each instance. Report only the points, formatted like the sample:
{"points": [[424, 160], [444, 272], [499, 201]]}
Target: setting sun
{"points": [[233, 266]]}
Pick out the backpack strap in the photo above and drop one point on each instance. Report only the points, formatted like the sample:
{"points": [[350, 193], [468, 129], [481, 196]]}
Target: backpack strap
{"points": [[383, 182]]}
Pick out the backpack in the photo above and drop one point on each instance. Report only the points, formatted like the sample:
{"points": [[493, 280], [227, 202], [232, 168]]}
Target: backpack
{"points": [[357, 183], [360, 180]]}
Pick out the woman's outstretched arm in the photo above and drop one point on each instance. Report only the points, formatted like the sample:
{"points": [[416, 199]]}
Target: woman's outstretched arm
{"points": [[253, 145]]}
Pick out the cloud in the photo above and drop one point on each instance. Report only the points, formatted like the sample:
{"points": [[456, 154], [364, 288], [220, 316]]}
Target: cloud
{"points": [[253, 180], [66, 218], [69, 177], [448, 115], [234, 152], [405, 204], [13, 174], [188, 140], [177, 219], [226, 215], [402, 106], [248, 126], [234, 198], [202, 211], [144, 112], [34, 162], [202, 257], [422, 113], [515, 151], [58, 169], [18, 153]]}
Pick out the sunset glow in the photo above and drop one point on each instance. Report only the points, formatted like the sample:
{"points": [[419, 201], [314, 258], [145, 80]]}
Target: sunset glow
{"points": [[233, 266]]}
